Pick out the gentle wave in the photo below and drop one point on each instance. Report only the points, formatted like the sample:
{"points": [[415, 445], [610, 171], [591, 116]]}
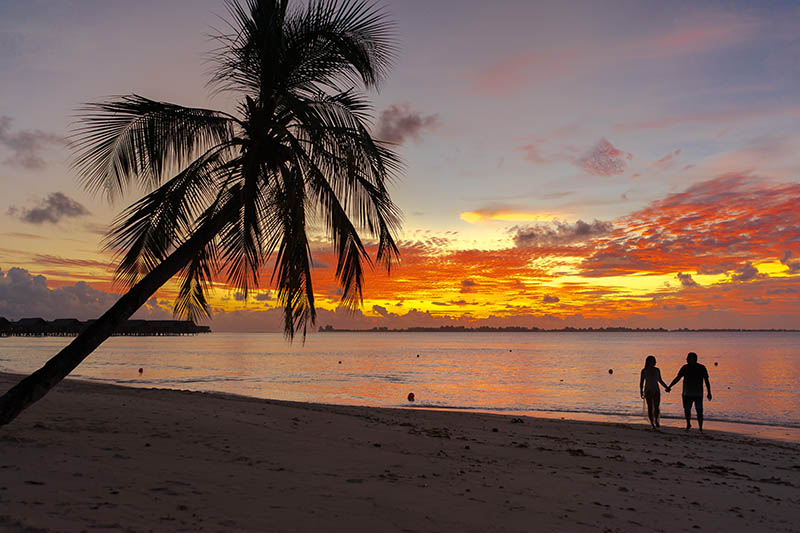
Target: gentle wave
{"points": [[610, 414], [753, 375]]}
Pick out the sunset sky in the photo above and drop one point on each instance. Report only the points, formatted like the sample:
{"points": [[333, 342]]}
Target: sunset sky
{"points": [[576, 164]]}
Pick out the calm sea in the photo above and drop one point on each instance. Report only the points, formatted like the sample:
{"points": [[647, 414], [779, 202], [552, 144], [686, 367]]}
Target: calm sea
{"points": [[754, 375]]}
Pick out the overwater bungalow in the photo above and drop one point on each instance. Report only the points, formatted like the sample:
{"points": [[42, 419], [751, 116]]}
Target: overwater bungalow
{"points": [[65, 327], [5, 326], [31, 326]]}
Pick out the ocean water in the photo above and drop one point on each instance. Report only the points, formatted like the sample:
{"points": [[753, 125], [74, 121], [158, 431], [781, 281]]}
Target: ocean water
{"points": [[754, 375]]}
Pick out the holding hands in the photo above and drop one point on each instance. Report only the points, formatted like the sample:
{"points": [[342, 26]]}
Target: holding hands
{"points": [[667, 389]]}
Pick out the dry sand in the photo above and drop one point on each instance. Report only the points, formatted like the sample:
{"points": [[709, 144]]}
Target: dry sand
{"points": [[100, 457]]}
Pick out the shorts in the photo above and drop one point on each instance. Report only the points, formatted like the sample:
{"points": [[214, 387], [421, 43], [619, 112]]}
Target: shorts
{"points": [[696, 400]]}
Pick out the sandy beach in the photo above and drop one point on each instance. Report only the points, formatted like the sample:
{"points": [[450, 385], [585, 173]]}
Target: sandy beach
{"points": [[100, 457]]}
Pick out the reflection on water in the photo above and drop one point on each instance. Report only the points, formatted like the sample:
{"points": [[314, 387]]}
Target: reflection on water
{"points": [[754, 381]]}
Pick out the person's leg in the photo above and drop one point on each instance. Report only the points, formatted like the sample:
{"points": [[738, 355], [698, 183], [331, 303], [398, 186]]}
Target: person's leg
{"points": [[698, 407], [687, 411], [649, 399], [657, 409]]}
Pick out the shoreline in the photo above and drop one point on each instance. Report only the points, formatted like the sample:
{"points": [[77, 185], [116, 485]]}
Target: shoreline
{"points": [[742, 428], [739, 428], [96, 455]]}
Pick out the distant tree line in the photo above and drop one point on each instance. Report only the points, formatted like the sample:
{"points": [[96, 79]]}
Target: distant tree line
{"points": [[490, 329]]}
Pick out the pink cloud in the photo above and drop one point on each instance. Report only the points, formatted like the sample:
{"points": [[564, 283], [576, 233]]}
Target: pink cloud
{"points": [[667, 159], [711, 118], [533, 153], [771, 156], [703, 32], [603, 159], [510, 74], [698, 33]]}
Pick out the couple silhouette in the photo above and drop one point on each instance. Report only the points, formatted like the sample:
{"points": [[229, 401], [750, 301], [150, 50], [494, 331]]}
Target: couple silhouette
{"points": [[693, 375]]}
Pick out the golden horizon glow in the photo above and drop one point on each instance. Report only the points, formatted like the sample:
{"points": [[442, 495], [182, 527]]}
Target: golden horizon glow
{"points": [[477, 217]]}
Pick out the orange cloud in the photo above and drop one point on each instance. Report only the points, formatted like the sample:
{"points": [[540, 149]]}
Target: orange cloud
{"points": [[719, 254], [712, 227]]}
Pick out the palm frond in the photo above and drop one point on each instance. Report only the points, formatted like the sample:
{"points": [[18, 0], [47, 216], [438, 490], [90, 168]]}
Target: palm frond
{"points": [[147, 231], [197, 276], [248, 47], [191, 302], [336, 143], [133, 138], [266, 50], [292, 272], [335, 44]]}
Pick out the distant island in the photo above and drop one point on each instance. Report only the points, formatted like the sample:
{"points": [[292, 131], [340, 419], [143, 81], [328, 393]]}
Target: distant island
{"points": [[489, 329], [69, 327]]}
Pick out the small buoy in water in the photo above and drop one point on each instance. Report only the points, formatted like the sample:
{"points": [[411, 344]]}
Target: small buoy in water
{"points": [[417, 355], [141, 370], [716, 364], [610, 370], [410, 396], [340, 362], [509, 350]]}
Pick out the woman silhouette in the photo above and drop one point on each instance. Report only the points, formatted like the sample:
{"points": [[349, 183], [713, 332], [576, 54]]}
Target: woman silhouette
{"points": [[648, 389]]}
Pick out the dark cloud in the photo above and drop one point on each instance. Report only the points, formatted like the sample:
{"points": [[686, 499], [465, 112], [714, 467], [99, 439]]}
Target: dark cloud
{"points": [[97, 229], [794, 266], [264, 296], [239, 296], [400, 122], [559, 233], [550, 299], [603, 159], [747, 272], [468, 286], [26, 146], [758, 300], [52, 209], [380, 310], [22, 235], [55, 260], [686, 280], [782, 290], [714, 269], [25, 295]]}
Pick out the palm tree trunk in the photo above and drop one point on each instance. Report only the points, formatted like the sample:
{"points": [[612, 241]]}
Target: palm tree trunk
{"points": [[35, 386]]}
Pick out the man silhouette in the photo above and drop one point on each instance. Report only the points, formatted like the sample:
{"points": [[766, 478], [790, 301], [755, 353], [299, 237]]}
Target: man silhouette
{"points": [[693, 374]]}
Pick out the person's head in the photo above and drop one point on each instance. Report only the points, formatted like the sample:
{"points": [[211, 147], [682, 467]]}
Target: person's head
{"points": [[650, 361], [691, 358]]}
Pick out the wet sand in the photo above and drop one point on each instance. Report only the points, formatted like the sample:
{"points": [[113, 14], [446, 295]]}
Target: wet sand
{"points": [[101, 457]]}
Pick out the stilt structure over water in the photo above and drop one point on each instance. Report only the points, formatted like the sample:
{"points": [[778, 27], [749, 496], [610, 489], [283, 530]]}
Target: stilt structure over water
{"points": [[69, 327]]}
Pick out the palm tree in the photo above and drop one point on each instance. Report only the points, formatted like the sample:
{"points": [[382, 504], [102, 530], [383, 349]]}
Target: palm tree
{"points": [[245, 188]]}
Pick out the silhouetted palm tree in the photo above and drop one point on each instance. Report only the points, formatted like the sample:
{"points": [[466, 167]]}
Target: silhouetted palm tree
{"points": [[244, 188]]}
